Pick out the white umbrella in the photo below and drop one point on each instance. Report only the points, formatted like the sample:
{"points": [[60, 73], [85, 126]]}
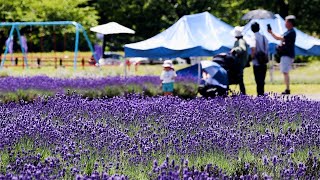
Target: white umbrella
{"points": [[111, 28], [258, 14]]}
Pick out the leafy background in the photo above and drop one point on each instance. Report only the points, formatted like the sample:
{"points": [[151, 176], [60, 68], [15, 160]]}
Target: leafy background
{"points": [[146, 17]]}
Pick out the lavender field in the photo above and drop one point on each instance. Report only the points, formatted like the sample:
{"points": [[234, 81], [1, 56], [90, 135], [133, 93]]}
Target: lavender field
{"points": [[140, 137]]}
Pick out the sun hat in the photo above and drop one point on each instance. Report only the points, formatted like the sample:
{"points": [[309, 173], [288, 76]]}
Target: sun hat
{"points": [[167, 63], [237, 31]]}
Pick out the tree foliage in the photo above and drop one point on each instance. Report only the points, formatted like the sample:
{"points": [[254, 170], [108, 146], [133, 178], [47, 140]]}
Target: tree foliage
{"points": [[47, 10], [149, 17]]}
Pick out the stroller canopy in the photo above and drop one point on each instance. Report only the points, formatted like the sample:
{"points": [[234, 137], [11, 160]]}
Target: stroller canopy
{"points": [[218, 75]]}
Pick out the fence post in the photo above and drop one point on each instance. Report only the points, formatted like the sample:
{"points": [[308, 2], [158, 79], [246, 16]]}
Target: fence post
{"points": [[38, 62], [82, 62], [55, 63], [16, 61]]}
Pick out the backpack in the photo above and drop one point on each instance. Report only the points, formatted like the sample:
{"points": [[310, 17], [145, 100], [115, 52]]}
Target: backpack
{"points": [[261, 56]]}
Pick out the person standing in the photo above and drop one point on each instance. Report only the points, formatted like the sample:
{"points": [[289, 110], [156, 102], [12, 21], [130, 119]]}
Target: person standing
{"points": [[259, 44], [287, 49], [168, 76], [24, 43], [24, 46], [9, 44], [239, 50]]}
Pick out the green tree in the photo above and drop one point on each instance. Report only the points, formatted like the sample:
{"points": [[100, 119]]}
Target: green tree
{"points": [[305, 11], [149, 17], [48, 10]]}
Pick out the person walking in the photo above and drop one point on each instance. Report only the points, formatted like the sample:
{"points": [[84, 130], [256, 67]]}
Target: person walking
{"points": [[239, 50], [259, 45], [287, 49]]}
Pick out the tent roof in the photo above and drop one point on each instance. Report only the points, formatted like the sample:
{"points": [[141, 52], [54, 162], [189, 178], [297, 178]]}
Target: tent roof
{"points": [[192, 35], [305, 44], [111, 28]]}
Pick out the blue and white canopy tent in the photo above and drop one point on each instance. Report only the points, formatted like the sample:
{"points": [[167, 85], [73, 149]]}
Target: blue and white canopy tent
{"points": [[305, 45], [192, 35]]}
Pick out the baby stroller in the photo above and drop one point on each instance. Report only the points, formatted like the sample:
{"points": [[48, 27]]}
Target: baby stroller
{"points": [[214, 80], [223, 70], [231, 65]]}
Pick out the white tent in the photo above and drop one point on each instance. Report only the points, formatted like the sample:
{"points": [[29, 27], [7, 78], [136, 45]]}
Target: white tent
{"points": [[111, 28], [192, 35]]}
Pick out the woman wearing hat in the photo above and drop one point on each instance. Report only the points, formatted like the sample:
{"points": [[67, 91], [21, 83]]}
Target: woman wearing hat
{"points": [[239, 50], [167, 76]]}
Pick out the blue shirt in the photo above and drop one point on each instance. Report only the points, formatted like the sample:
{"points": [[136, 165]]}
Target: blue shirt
{"points": [[288, 43]]}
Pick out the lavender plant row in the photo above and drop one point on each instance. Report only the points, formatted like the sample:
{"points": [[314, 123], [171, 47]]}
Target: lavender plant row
{"points": [[8, 84], [28, 88], [66, 137]]}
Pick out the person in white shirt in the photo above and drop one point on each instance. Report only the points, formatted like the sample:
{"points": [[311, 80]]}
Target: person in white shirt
{"points": [[259, 43], [167, 76]]}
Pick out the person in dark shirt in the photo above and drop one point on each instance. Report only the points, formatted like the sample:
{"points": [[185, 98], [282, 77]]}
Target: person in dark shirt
{"points": [[239, 50], [287, 49]]}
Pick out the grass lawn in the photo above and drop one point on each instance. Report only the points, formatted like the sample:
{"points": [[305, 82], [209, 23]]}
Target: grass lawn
{"points": [[304, 80]]}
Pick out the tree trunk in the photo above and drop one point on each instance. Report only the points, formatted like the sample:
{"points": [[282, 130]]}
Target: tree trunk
{"points": [[283, 8]]}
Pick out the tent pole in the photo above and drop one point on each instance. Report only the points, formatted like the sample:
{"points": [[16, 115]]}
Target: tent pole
{"points": [[199, 72], [104, 45]]}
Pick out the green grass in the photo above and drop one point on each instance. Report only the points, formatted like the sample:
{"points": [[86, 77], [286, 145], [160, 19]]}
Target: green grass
{"points": [[310, 87], [300, 75], [304, 80], [26, 95]]}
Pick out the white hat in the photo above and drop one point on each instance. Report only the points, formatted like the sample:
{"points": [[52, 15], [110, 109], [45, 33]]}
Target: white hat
{"points": [[237, 31], [167, 63], [290, 17]]}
